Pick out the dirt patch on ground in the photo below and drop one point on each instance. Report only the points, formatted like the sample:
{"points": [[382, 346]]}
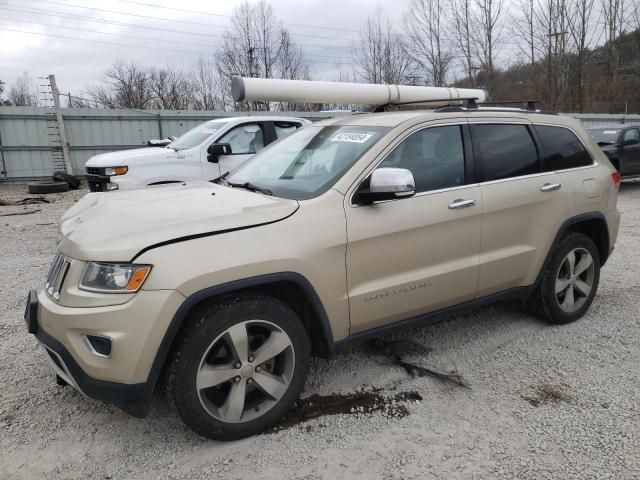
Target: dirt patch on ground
{"points": [[547, 394], [359, 403]]}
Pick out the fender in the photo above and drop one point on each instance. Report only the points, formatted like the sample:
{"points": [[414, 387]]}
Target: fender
{"points": [[566, 225], [230, 287]]}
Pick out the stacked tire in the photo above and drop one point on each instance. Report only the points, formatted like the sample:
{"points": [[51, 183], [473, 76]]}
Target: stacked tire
{"points": [[60, 183]]}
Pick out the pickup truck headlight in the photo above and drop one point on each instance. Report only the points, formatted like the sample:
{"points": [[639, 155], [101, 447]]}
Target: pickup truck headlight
{"points": [[112, 171], [114, 277]]}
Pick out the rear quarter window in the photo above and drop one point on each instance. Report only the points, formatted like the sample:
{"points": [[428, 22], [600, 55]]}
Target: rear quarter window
{"points": [[562, 148]]}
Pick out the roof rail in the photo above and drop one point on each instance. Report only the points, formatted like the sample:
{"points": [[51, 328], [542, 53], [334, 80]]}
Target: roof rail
{"points": [[451, 102]]}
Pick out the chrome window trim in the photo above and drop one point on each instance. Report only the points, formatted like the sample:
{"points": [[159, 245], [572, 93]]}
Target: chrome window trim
{"points": [[459, 122]]}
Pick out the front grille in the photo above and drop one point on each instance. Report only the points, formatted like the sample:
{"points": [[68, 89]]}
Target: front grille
{"points": [[95, 171], [55, 277]]}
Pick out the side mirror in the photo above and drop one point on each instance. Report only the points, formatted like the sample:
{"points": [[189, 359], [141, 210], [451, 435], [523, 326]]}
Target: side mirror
{"points": [[216, 150], [388, 184]]}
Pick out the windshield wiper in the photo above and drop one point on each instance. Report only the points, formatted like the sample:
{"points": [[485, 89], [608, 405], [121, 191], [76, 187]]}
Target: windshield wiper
{"points": [[251, 187]]}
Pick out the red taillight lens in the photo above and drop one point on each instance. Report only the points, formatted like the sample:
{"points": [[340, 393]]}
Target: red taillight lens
{"points": [[615, 176]]}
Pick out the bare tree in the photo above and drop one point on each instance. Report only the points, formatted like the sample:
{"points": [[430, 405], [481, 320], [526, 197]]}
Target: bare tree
{"points": [[171, 89], [257, 46], [206, 85], [464, 33], [614, 15], [488, 18], [582, 36], [125, 85], [380, 55], [426, 43], [23, 92]]}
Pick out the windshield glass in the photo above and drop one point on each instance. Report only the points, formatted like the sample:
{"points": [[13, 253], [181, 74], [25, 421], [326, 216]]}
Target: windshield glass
{"points": [[307, 162], [604, 135], [196, 136]]}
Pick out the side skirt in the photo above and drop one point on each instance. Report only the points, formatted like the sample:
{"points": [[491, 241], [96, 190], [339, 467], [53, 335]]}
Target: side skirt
{"points": [[519, 293]]}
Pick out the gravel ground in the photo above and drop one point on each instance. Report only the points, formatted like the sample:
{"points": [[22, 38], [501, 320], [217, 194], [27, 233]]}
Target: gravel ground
{"points": [[545, 401]]}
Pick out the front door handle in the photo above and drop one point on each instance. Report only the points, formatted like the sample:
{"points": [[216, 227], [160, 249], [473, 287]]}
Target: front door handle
{"points": [[460, 203], [550, 187]]}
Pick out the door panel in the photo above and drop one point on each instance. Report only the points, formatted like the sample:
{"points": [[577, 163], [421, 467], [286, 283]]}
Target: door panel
{"points": [[412, 256], [519, 224], [630, 164]]}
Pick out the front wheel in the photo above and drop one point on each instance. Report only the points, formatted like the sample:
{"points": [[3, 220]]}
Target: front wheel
{"points": [[569, 282], [239, 367]]}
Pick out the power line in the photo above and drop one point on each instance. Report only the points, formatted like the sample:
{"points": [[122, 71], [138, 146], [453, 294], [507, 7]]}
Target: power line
{"points": [[150, 17], [118, 44], [184, 10], [134, 36], [145, 27]]}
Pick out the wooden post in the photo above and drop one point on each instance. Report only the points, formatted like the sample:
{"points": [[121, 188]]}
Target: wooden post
{"points": [[60, 120]]}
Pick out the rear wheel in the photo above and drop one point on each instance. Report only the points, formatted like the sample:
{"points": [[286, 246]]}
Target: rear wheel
{"points": [[239, 367], [569, 282]]}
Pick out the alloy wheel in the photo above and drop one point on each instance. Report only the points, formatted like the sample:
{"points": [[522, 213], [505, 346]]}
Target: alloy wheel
{"points": [[245, 371], [574, 280]]}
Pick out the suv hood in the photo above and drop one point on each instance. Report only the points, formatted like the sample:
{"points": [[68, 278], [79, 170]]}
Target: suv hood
{"points": [[118, 225], [122, 157]]}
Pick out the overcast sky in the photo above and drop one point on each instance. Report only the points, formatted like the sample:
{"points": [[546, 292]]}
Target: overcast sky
{"points": [[80, 59]]}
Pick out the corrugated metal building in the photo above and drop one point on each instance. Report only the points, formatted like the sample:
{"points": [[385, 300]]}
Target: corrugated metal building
{"points": [[30, 141]]}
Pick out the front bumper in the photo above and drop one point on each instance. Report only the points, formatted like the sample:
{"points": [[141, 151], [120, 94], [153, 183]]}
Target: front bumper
{"points": [[136, 327]]}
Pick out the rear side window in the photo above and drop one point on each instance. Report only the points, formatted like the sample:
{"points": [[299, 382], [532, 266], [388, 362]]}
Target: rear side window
{"points": [[562, 148], [506, 150]]}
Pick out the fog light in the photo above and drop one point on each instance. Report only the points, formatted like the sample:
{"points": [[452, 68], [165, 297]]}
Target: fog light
{"points": [[112, 186], [99, 345]]}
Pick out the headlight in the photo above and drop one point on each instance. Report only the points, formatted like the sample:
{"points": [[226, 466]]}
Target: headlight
{"points": [[113, 277], [111, 171]]}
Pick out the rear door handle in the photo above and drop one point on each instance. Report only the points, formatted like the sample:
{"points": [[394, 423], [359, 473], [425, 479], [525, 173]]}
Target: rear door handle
{"points": [[460, 203], [550, 187]]}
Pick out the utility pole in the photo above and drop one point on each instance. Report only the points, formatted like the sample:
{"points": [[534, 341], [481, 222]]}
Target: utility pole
{"points": [[251, 74], [55, 93]]}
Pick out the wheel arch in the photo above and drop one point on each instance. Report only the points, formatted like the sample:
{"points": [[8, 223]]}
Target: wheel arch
{"points": [[291, 288], [593, 225]]}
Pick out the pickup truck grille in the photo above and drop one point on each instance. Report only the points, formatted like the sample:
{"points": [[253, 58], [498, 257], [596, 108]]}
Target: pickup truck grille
{"points": [[95, 171], [55, 277]]}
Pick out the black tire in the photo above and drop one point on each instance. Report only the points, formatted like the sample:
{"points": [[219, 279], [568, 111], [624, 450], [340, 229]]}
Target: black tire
{"points": [[544, 301], [73, 182], [206, 325], [47, 187]]}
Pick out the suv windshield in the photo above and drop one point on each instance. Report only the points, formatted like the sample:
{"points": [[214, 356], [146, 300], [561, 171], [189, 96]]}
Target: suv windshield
{"points": [[604, 135], [307, 162], [196, 136]]}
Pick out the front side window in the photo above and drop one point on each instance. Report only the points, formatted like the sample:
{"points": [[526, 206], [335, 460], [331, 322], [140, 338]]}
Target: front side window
{"points": [[507, 151], [632, 135], [309, 161], [244, 139], [435, 157], [562, 149]]}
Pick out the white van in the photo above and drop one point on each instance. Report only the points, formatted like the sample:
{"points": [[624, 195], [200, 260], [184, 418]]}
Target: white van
{"points": [[206, 152]]}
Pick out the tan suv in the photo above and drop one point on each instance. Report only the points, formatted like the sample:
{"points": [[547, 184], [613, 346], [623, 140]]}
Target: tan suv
{"points": [[343, 231]]}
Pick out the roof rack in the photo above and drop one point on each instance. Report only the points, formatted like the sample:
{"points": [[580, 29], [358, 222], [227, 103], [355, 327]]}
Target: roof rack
{"points": [[525, 106], [451, 103]]}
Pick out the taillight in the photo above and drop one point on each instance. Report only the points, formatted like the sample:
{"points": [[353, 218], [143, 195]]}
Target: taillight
{"points": [[615, 176]]}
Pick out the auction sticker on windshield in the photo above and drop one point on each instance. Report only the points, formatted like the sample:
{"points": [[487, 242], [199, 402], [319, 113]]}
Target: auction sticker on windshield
{"points": [[352, 137]]}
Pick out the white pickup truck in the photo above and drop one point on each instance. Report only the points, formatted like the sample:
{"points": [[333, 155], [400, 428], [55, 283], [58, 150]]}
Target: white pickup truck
{"points": [[206, 152]]}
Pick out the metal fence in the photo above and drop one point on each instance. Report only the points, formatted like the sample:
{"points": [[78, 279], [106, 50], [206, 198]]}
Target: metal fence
{"points": [[30, 142]]}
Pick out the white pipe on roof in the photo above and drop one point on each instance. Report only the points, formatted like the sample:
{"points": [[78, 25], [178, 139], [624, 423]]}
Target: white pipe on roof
{"points": [[304, 91]]}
